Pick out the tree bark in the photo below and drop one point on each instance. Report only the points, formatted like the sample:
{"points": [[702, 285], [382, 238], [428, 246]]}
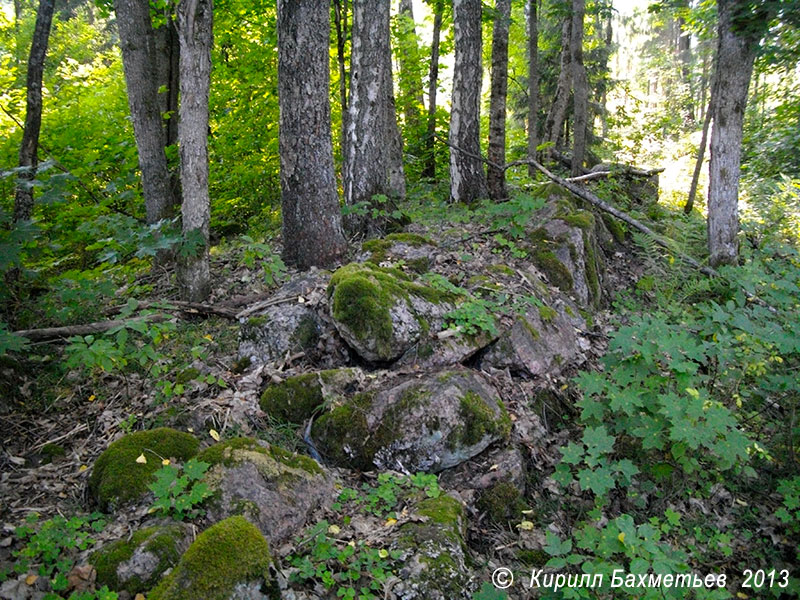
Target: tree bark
{"points": [[736, 52], [558, 110], [533, 82], [28, 150], [167, 64], [496, 178], [141, 77], [467, 181], [312, 225], [701, 151], [195, 31], [433, 84], [374, 163], [580, 86]]}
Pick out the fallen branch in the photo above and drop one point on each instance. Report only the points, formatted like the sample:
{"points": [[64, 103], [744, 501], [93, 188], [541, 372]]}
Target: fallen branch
{"points": [[187, 308], [47, 334]]}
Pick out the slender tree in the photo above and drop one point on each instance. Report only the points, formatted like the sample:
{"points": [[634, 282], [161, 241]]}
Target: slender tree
{"points": [[467, 180], [340, 12], [533, 82], [558, 109], [374, 163], [580, 87], [137, 42], [737, 44], [410, 73], [195, 31], [433, 83], [496, 177], [28, 151], [312, 226]]}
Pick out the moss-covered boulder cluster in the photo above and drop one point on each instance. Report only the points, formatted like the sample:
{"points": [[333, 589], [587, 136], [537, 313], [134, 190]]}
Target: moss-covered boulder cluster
{"points": [[429, 423]]}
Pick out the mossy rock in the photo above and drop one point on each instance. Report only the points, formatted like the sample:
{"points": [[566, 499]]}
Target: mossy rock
{"points": [[117, 478], [295, 399], [424, 424], [136, 564], [406, 247], [557, 273], [224, 561], [51, 452], [380, 311], [615, 227], [275, 489], [435, 564]]}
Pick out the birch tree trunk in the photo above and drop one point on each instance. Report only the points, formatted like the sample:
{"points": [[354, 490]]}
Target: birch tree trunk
{"points": [[467, 181], [580, 87], [433, 84], [533, 82], [312, 225], [28, 150], [195, 21], [410, 74], [141, 77], [496, 178], [374, 162], [735, 56]]}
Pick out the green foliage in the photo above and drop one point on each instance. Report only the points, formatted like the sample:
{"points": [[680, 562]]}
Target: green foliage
{"points": [[789, 512], [51, 547], [259, 252], [179, 495], [382, 499]]}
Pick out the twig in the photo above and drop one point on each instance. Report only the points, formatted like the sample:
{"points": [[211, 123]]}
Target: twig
{"points": [[259, 305]]}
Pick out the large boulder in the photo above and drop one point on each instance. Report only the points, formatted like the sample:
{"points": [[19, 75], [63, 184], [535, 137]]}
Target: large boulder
{"points": [[228, 561], [414, 251], [381, 312], [290, 323], [136, 564], [541, 341], [119, 478], [434, 560], [297, 398], [277, 490], [429, 423]]}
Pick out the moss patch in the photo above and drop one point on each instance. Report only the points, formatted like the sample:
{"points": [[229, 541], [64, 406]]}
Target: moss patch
{"points": [[502, 503], [591, 267], [233, 451], [615, 227], [379, 248], [547, 314], [557, 273], [51, 452], [364, 294], [295, 399], [162, 542], [306, 334], [117, 478], [229, 553], [580, 218], [477, 420]]}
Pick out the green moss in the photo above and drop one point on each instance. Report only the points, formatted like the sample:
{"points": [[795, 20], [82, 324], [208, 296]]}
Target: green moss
{"points": [[477, 420], [587, 316], [240, 365], [231, 452], [229, 553], [556, 272], [533, 558], [411, 239], [419, 265], [342, 426], [502, 270], [444, 510], [50, 452], [580, 218], [117, 478], [590, 265], [569, 311], [502, 503], [531, 329], [257, 321], [547, 314], [295, 399], [364, 294], [306, 334], [162, 542], [187, 375], [615, 227]]}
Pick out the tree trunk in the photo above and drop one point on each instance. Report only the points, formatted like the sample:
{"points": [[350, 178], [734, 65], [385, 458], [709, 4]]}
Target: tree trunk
{"points": [[410, 73], [167, 64], [701, 152], [138, 60], [735, 55], [312, 225], [580, 85], [685, 56], [28, 150], [433, 83], [195, 19], [558, 110], [374, 163], [533, 82], [467, 181], [340, 21], [496, 178]]}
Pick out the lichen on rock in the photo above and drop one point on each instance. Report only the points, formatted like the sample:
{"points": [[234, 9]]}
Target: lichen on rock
{"points": [[118, 477]]}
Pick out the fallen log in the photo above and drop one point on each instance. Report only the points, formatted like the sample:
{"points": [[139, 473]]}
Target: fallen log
{"points": [[48, 334]]}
